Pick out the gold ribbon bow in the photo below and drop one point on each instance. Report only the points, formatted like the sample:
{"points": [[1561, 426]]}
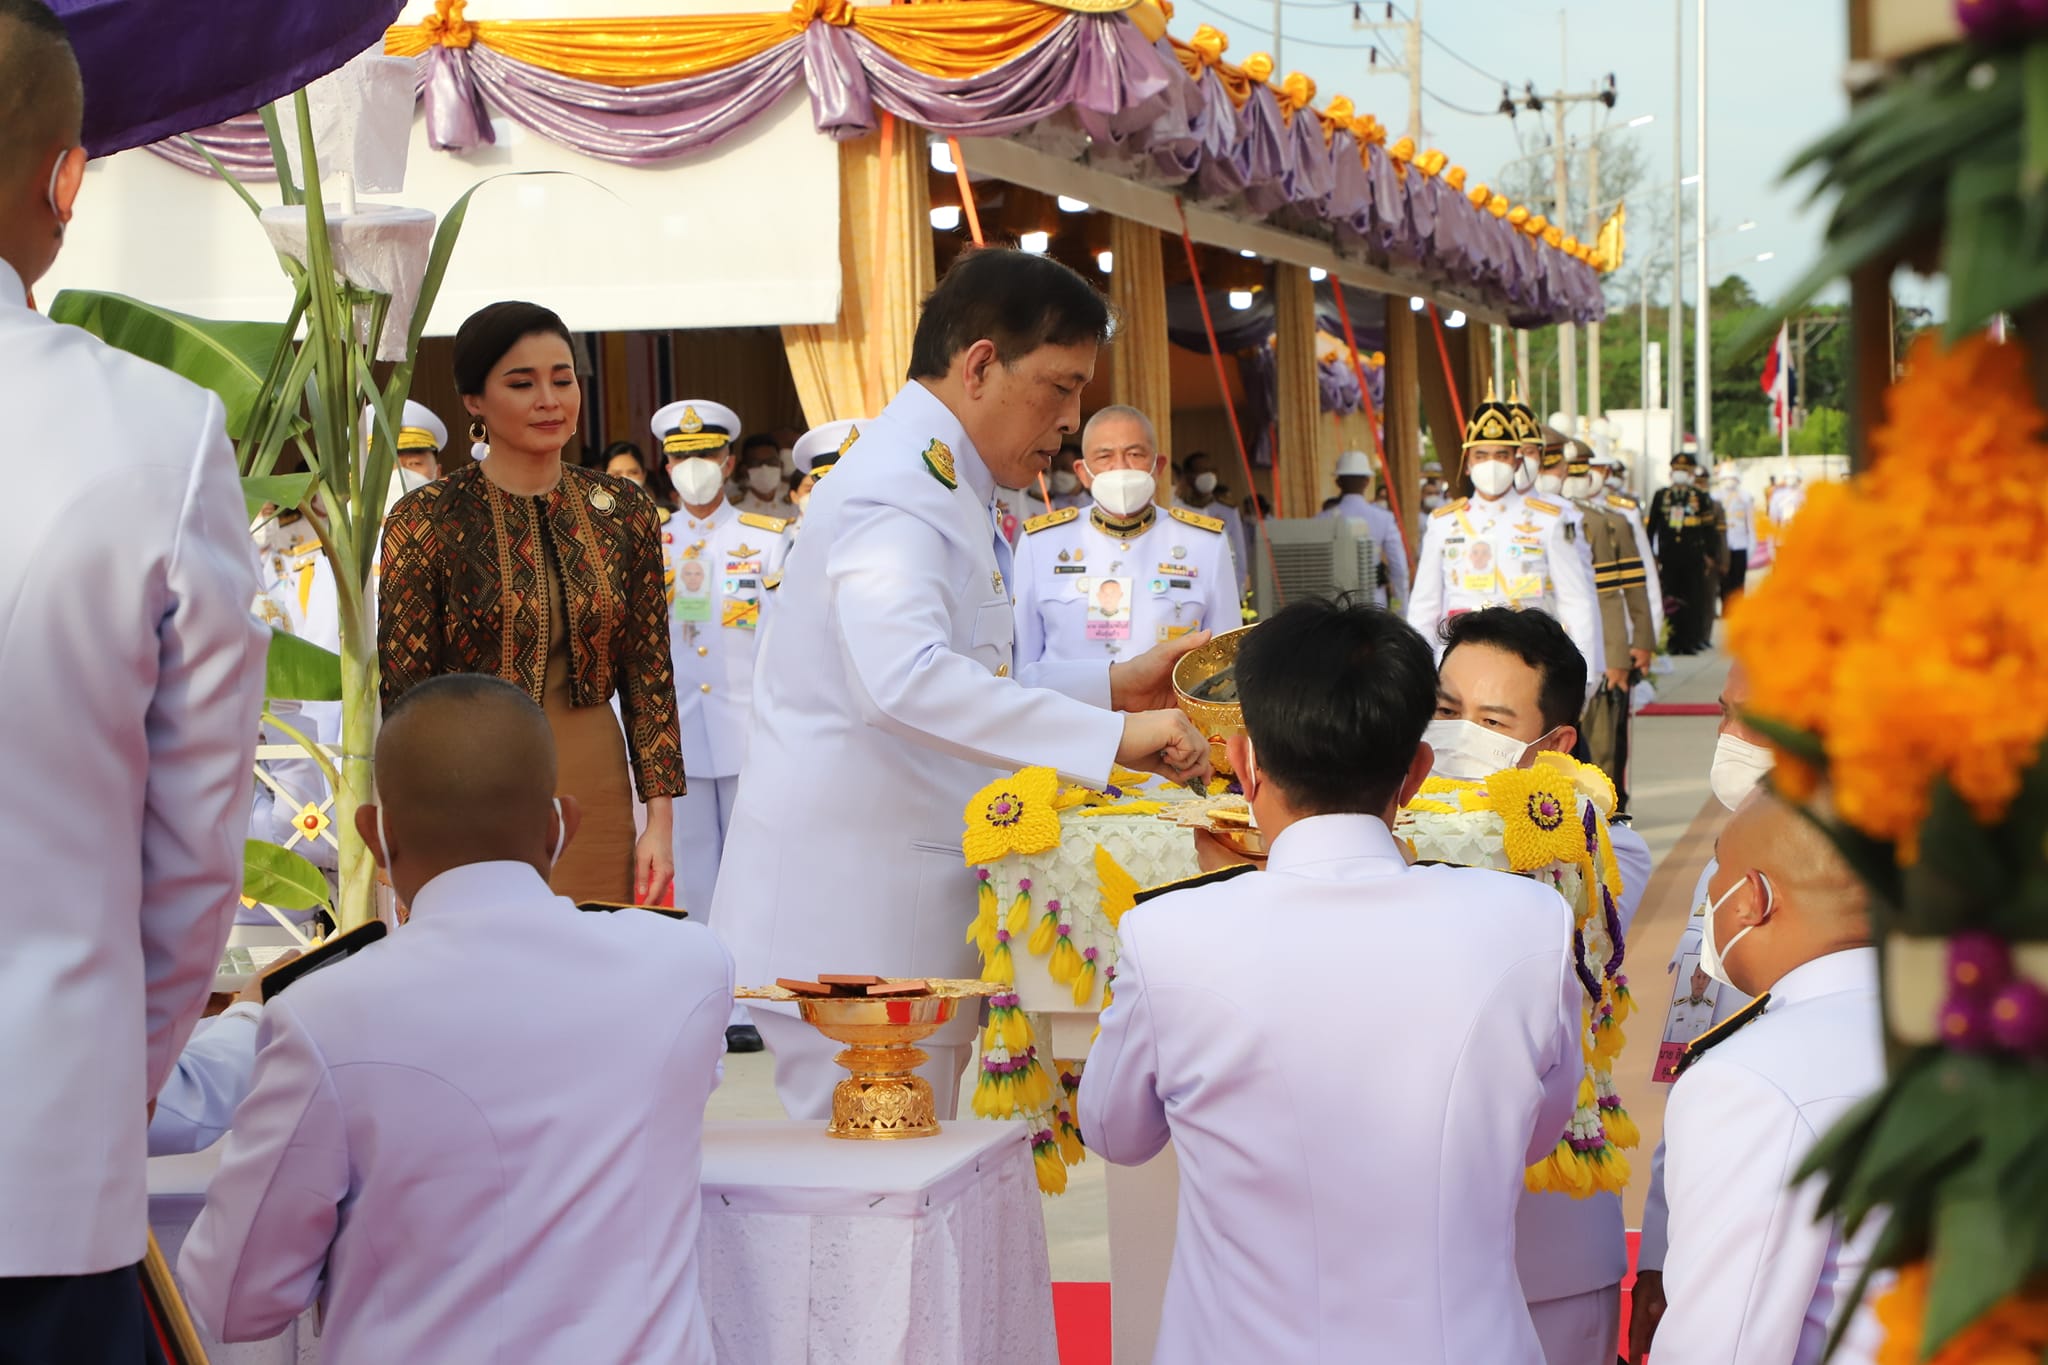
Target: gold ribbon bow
{"points": [[1209, 45], [1259, 66], [1571, 246], [1534, 227], [1339, 113], [1552, 236], [1297, 93], [1403, 151], [838, 13], [1518, 217], [1498, 206], [1370, 132], [446, 27], [1455, 178], [1478, 195], [1432, 162]]}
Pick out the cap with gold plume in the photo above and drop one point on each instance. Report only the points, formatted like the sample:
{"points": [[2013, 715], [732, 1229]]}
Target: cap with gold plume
{"points": [[1492, 424], [1522, 420]]}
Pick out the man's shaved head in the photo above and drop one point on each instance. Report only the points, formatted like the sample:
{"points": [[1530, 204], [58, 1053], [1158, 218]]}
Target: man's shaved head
{"points": [[465, 774], [42, 102], [1815, 903]]}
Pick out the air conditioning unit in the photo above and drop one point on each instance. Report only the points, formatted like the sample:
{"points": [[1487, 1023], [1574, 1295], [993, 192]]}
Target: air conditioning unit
{"points": [[1317, 557]]}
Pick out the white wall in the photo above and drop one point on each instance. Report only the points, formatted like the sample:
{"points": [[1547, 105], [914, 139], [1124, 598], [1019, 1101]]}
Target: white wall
{"points": [[746, 235]]}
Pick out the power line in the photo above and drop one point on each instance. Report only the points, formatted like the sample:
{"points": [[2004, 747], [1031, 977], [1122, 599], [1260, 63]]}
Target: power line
{"points": [[1459, 108], [1448, 50]]}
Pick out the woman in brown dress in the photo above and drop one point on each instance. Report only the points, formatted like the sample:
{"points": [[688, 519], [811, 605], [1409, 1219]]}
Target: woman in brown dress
{"points": [[550, 576]]}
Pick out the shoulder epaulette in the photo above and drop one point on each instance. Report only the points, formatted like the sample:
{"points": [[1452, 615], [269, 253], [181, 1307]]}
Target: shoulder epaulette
{"points": [[1449, 509], [938, 459], [1623, 501], [771, 581], [1044, 520], [1721, 1033], [1182, 514], [1542, 506], [661, 515], [307, 550], [762, 523], [1221, 874]]}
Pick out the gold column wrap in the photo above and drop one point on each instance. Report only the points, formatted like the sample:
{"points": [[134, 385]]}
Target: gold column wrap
{"points": [[1296, 464], [1403, 416], [1139, 366], [852, 367]]}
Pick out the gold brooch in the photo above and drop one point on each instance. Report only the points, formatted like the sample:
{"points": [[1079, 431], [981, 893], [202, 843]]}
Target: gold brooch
{"points": [[601, 500]]}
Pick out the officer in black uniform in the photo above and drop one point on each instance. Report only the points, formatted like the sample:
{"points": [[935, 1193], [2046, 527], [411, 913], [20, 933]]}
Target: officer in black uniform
{"points": [[1684, 532]]}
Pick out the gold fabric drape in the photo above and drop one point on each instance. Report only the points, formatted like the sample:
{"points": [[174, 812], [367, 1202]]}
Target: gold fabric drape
{"points": [[852, 367], [1139, 368], [1299, 411], [1403, 418], [956, 40]]}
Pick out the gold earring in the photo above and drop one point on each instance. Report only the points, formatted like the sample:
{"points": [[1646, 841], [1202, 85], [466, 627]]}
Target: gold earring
{"points": [[479, 448]]}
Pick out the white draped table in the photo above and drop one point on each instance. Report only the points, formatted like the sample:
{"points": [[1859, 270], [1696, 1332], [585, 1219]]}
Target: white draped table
{"points": [[816, 1251]]}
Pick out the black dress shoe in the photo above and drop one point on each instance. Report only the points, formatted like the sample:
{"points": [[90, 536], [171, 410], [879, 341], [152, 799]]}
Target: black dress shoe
{"points": [[742, 1038]]}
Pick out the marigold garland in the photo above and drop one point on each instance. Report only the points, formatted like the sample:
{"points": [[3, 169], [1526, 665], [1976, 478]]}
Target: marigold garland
{"points": [[1906, 676], [2014, 1332]]}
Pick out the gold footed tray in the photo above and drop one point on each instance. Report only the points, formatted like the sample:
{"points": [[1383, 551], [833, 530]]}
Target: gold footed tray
{"points": [[883, 1099], [1220, 719]]}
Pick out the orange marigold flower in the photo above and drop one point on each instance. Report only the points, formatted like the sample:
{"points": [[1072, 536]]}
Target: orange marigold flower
{"points": [[2014, 1332], [1901, 623]]}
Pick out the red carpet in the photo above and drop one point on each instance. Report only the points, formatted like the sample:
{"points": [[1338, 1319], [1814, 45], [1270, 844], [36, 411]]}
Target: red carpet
{"points": [[1082, 1313], [1681, 708]]}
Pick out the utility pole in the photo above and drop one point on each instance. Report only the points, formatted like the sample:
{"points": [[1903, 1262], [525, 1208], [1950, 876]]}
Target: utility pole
{"points": [[1568, 332], [1674, 348], [1703, 394], [1593, 408], [1410, 65]]}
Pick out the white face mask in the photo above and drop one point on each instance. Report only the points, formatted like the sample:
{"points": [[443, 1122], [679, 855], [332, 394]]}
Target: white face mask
{"points": [[1492, 478], [1738, 767], [1469, 752], [561, 837], [1065, 482], [1525, 475], [698, 481], [1578, 486], [1123, 492], [1550, 483], [764, 480], [1714, 954], [1205, 483], [1432, 501], [1680, 477]]}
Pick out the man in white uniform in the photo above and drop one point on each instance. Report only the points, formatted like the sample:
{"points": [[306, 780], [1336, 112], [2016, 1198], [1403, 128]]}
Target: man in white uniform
{"points": [[1753, 1272], [815, 452], [421, 438], [1507, 690], [1503, 548], [455, 1172], [1205, 495], [1354, 476], [1355, 1201], [1741, 762], [1169, 568], [721, 565], [133, 675], [1738, 510], [884, 698], [763, 483]]}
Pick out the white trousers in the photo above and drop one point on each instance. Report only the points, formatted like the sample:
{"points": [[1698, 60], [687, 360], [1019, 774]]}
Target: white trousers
{"points": [[805, 1072], [701, 815], [1580, 1329]]}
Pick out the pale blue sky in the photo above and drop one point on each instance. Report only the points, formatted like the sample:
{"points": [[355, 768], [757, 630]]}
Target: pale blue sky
{"points": [[1773, 83]]}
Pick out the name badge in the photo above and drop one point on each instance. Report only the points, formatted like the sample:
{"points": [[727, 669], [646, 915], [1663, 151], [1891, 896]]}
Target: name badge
{"points": [[1109, 608], [1070, 568]]}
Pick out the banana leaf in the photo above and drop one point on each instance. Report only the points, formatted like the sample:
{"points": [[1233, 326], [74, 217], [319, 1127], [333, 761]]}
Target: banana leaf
{"points": [[283, 491], [298, 670], [230, 358], [277, 876]]}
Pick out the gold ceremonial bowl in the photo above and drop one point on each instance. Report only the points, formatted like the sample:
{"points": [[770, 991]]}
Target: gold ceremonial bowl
{"points": [[883, 1098], [1217, 721]]}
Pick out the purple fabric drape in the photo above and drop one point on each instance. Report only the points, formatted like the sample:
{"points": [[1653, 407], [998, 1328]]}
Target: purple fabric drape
{"points": [[155, 68], [240, 144], [1093, 89]]}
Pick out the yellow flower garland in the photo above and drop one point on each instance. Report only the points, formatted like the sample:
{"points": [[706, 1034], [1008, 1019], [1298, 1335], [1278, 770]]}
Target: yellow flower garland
{"points": [[1012, 814]]}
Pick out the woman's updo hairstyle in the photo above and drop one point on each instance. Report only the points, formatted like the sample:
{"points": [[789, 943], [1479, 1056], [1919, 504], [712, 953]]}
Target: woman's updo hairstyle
{"points": [[489, 332]]}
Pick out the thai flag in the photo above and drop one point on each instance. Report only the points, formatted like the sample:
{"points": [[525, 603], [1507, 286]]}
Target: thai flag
{"points": [[1778, 379]]}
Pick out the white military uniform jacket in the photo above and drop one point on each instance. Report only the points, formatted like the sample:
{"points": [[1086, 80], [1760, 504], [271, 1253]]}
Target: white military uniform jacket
{"points": [[1566, 1246], [1386, 534], [458, 1175], [1233, 529], [1519, 550], [133, 676], [198, 1101], [882, 701], [1332, 1211], [1751, 1276], [1173, 575], [721, 573]]}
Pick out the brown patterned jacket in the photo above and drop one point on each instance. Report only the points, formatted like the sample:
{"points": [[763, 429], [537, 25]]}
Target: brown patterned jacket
{"points": [[461, 591]]}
